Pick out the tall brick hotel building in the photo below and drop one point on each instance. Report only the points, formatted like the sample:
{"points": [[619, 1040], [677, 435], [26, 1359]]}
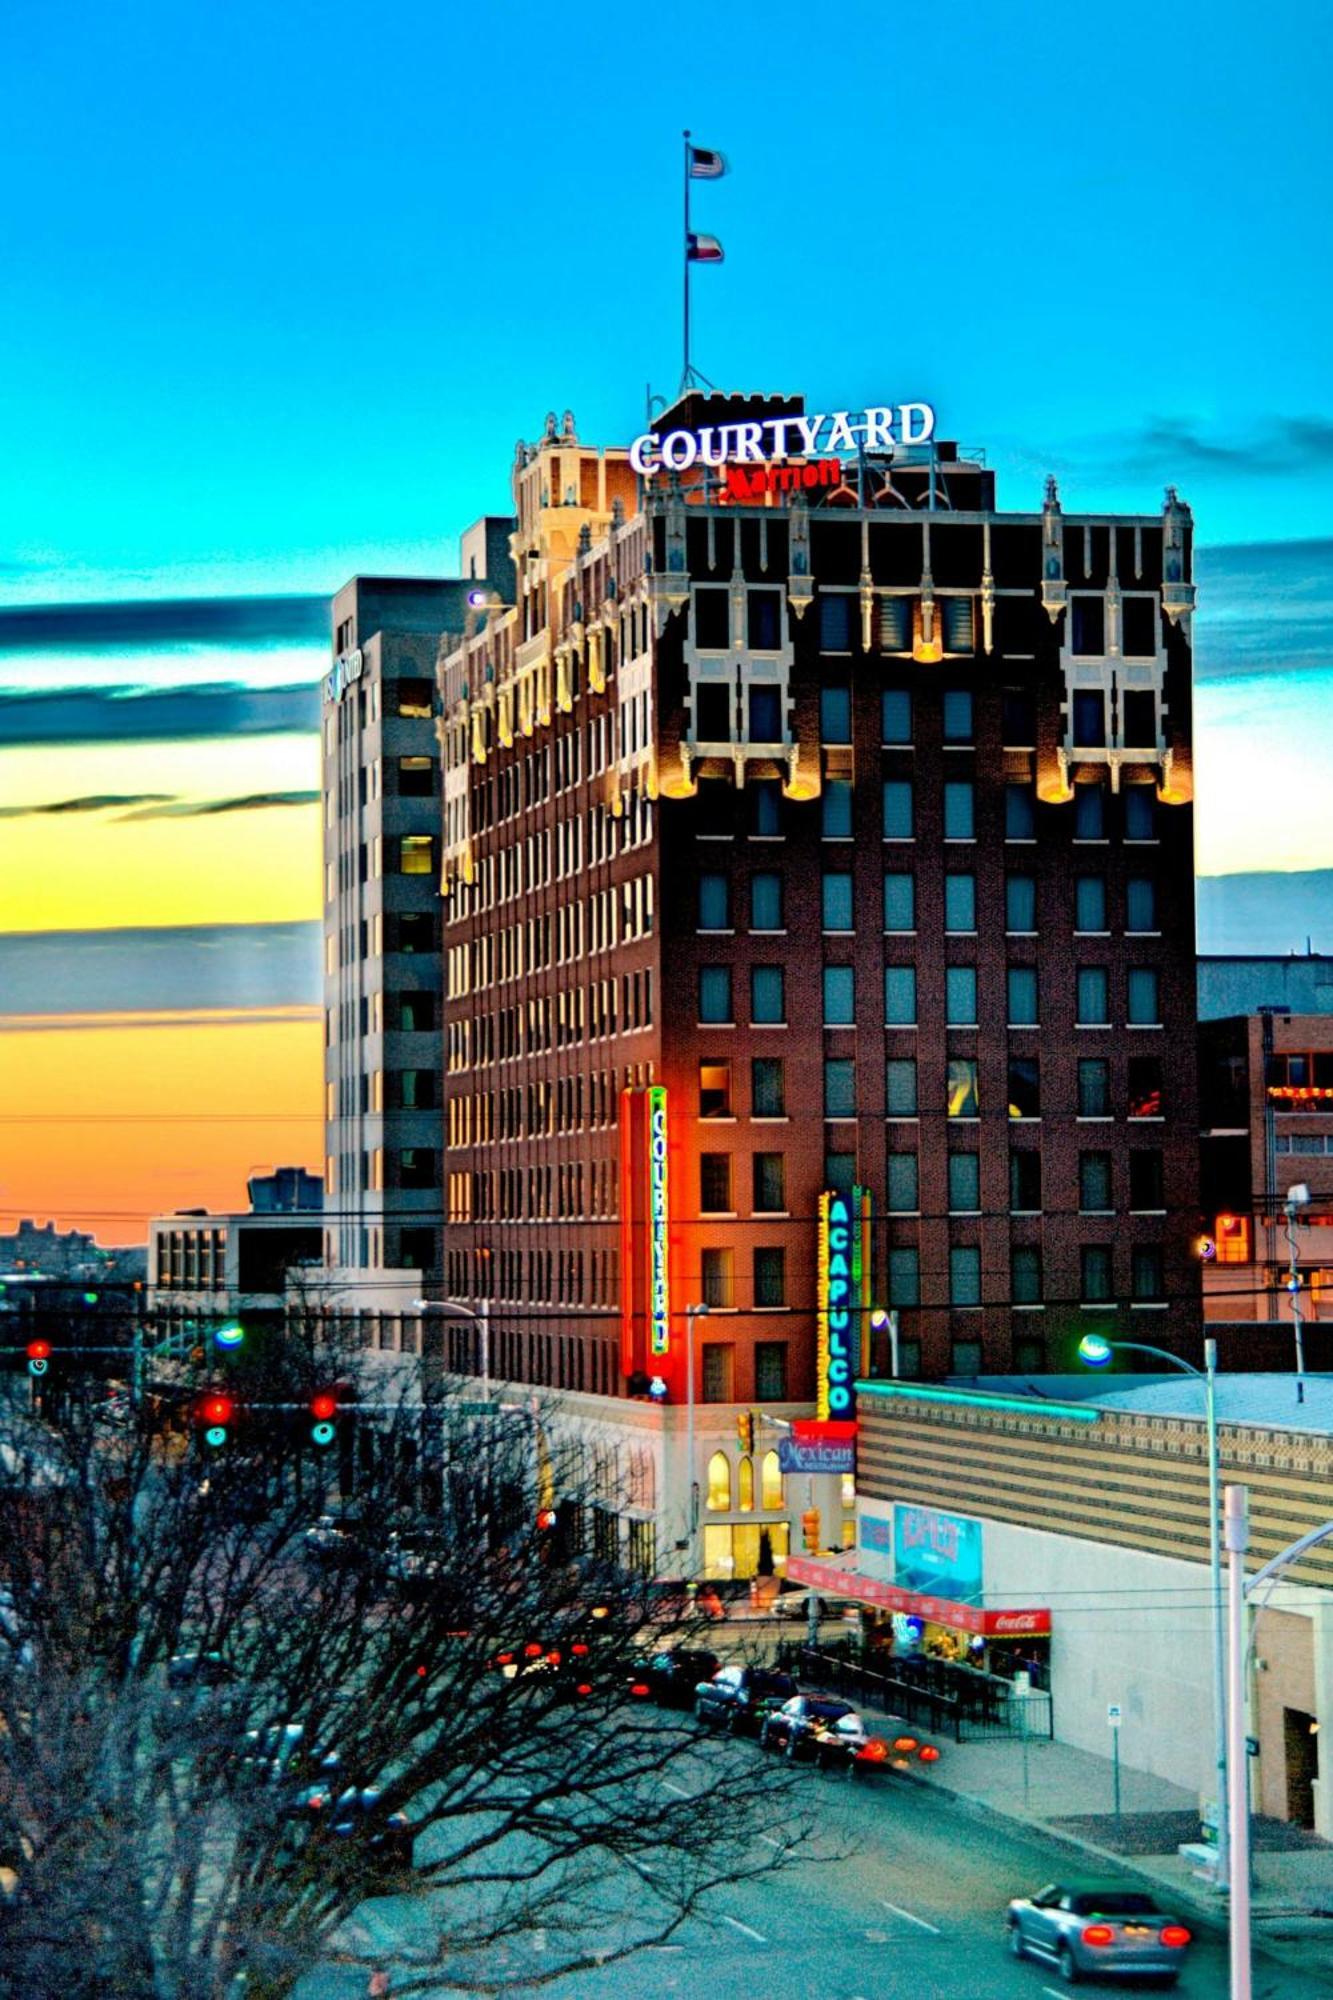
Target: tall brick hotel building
{"points": [[817, 924]]}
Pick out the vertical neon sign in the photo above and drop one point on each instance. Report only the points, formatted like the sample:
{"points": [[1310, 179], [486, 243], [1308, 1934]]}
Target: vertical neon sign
{"points": [[839, 1258], [658, 1283]]}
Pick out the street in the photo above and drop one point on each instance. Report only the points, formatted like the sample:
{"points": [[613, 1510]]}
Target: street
{"points": [[903, 1896]]}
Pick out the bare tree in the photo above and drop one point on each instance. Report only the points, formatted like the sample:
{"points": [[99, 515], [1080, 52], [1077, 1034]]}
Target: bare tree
{"points": [[220, 1734]]}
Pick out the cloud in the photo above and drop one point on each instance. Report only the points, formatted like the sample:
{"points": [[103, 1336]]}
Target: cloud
{"points": [[168, 969], [206, 808], [184, 621], [144, 715], [1178, 446], [1264, 608], [99, 802]]}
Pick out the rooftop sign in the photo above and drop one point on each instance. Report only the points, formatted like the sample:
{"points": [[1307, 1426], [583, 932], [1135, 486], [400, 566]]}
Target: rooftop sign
{"points": [[769, 440]]}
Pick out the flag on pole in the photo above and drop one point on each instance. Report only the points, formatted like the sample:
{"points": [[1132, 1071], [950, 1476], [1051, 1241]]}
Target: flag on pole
{"points": [[703, 249], [706, 165]]}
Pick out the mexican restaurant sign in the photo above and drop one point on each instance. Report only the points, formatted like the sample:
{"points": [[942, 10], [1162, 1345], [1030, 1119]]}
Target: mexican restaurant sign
{"points": [[772, 440]]}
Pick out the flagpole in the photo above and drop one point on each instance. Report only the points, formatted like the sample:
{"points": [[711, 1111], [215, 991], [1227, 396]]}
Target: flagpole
{"points": [[685, 248]]}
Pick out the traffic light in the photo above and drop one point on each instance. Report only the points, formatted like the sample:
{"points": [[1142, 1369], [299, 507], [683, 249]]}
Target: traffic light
{"points": [[810, 1529], [215, 1413], [39, 1356], [230, 1335], [324, 1417], [745, 1430]]}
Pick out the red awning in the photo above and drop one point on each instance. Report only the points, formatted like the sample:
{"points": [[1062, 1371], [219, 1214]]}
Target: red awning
{"points": [[842, 1579]]}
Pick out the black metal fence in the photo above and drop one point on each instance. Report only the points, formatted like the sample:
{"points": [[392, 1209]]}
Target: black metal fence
{"points": [[934, 1694]]}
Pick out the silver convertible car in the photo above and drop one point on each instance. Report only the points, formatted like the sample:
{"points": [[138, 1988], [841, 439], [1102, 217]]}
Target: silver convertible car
{"points": [[1090, 1929]]}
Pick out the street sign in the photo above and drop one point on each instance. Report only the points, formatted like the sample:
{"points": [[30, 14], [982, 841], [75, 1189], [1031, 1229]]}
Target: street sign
{"points": [[1113, 1714]]}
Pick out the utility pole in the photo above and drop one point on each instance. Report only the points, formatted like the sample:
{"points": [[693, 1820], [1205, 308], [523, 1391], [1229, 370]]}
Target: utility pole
{"points": [[1297, 1197]]}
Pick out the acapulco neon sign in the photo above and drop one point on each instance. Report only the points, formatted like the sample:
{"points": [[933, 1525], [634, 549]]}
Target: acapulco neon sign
{"points": [[771, 440]]}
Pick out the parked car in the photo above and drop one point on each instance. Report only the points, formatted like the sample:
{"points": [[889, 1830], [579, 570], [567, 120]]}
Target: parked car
{"points": [[281, 1750], [670, 1678], [335, 1539], [732, 1698], [387, 1837], [1098, 1928], [794, 1725]]}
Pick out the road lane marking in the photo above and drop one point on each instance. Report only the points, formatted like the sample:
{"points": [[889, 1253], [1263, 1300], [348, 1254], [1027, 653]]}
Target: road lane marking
{"points": [[748, 1929], [679, 1790], [932, 1928]]}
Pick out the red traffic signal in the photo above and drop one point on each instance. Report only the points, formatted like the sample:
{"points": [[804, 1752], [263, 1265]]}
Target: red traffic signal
{"points": [[546, 1517], [217, 1409], [39, 1356], [323, 1407], [323, 1410]]}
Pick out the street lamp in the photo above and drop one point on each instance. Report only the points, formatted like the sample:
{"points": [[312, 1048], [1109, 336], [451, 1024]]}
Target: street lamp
{"points": [[692, 1313], [481, 1319], [1095, 1351], [1298, 1197], [887, 1322], [1237, 1514]]}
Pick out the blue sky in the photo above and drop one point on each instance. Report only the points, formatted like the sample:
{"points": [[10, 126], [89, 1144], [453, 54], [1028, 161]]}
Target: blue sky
{"points": [[286, 283]]}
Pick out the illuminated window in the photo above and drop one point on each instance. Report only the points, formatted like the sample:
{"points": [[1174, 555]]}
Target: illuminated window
{"points": [[848, 1489], [1233, 1239], [745, 1485], [715, 1090], [962, 1087], [771, 1495], [719, 1483], [417, 854]]}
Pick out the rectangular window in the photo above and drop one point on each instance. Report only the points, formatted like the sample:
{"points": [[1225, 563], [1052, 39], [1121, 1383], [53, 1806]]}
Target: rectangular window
{"points": [[965, 1275], [840, 1088], [1094, 1087], [956, 708], [904, 1275], [712, 618], [1144, 1006], [416, 1013], [964, 1183], [900, 1183], [716, 1278], [959, 810], [900, 1087], [765, 714], [897, 715], [1018, 720], [895, 624], [714, 903], [416, 1167], [1145, 1274], [900, 996], [1095, 1273], [768, 1098], [712, 712], [840, 1171], [764, 621], [835, 624], [1087, 626], [769, 1183], [768, 1003], [837, 902], [1020, 813], [1147, 1183], [719, 1369], [960, 996], [715, 808], [1025, 1275], [770, 1277], [1094, 997], [1022, 996], [962, 1087], [1138, 627], [1020, 904], [414, 697], [715, 993], [715, 1183], [1089, 720], [958, 624], [765, 802], [1089, 812], [770, 1363], [898, 817], [1024, 1087], [960, 902], [766, 902], [1094, 1183], [835, 715], [1145, 1087], [1090, 903], [839, 996], [1140, 903], [899, 902], [416, 777], [1025, 1180], [835, 808], [1140, 812], [1138, 726], [416, 854], [715, 1090]]}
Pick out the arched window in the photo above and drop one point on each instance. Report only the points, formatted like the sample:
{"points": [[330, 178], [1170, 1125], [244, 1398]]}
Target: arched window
{"points": [[719, 1483], [745, 1485], [770, 1480]]}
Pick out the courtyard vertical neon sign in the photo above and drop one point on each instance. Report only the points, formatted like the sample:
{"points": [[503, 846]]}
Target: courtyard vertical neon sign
{"points": [[659, 1289], [837, 1273]]}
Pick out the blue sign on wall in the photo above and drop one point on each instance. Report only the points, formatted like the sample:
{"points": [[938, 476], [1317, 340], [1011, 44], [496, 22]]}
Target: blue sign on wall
{"points": [[937, 1553]]}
